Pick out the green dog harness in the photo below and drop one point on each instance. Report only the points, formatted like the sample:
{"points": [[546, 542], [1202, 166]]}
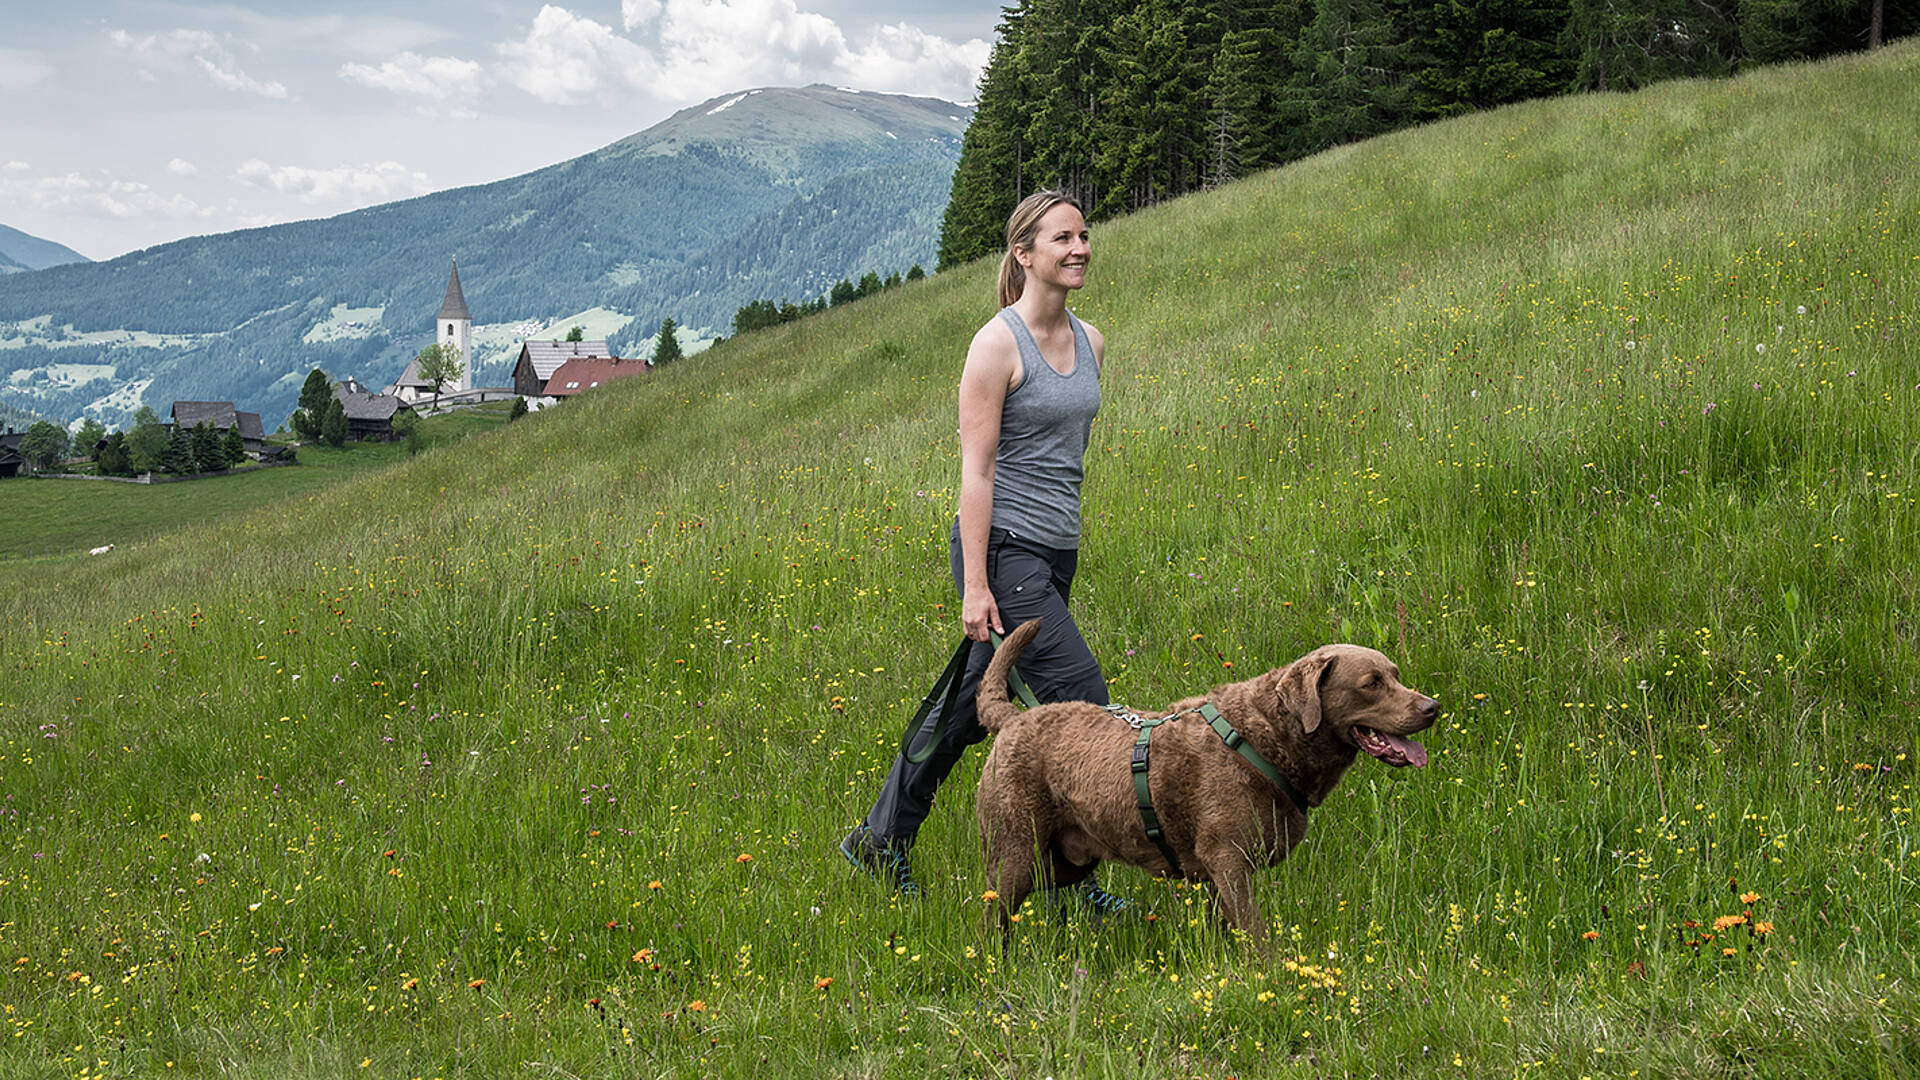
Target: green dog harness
{"points": [[1142, 753]]}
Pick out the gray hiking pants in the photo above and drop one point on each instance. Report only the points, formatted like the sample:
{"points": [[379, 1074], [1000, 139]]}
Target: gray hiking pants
{"points": [[1029, 581]]}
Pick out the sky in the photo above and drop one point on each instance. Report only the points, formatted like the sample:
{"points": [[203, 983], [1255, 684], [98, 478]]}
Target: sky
{"points": [[129, 123]]}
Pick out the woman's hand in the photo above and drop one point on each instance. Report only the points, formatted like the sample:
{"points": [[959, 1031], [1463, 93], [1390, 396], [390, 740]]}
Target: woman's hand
{"points": [[979, 613]]}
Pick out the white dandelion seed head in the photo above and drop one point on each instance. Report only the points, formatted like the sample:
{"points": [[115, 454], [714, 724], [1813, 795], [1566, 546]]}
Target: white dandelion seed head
{"points": [[1631, 345], [1801, 310], [1760, 348]]}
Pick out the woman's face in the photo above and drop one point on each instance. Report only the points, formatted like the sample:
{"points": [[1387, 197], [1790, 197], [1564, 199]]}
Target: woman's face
{"points": [[1060, 250]]}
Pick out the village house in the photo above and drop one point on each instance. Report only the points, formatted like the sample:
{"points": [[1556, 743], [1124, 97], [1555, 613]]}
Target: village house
{"points": [[11, 463], [540, 360], [188, 415], [369, 415], [587, 372]]}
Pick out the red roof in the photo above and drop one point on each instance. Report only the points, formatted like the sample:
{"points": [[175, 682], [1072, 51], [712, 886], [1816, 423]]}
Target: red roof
{"points": [[587, 372]]}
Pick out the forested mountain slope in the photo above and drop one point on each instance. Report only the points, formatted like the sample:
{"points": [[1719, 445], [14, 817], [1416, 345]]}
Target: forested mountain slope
{"points": [[761, 193]]}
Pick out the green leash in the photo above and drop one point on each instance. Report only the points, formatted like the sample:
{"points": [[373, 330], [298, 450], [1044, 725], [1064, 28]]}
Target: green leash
{"points": [[942, 697]]}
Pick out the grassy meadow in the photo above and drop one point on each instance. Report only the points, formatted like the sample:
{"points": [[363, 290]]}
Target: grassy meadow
{"points": [[527, 756]]}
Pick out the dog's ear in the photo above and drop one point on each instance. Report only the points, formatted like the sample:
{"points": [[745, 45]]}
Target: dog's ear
{"points": [[1300, 688]]}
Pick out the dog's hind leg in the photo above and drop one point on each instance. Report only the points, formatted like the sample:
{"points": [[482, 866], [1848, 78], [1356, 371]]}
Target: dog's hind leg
{"points": [[1010, 848]]}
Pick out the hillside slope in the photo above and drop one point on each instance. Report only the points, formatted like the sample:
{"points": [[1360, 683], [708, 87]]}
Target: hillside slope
{"points": [[20, 252], [776, 192], [1599, 415]]}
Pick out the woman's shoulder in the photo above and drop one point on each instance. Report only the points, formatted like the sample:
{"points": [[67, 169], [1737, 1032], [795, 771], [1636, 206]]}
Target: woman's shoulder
{"points": [[1094, 338], [994, 334]]}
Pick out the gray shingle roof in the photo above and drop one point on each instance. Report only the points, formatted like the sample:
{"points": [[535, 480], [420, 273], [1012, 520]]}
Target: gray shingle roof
{"points": [[455, 305], [547, 356]]}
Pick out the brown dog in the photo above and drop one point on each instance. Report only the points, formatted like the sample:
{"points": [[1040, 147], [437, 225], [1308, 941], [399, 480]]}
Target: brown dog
{"points": [[1057, 791]]}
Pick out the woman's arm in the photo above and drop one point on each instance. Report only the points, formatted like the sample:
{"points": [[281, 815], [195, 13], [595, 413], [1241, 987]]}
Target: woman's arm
{"points": [[991, 369]]}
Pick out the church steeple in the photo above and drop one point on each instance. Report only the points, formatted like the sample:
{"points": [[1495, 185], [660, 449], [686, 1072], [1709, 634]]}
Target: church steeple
{"points": [[455, 305], [454, 328]]}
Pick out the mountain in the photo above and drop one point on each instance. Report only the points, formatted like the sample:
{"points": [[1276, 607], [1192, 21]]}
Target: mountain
{"points": [[20, 252], [764, 193]]}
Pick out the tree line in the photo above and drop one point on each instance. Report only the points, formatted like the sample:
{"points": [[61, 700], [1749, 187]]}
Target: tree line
{"points": [[147, 447], [1126, 103], [758, 314]]}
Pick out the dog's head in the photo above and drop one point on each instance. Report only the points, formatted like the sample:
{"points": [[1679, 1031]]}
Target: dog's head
{"points": [[1357, 694]]}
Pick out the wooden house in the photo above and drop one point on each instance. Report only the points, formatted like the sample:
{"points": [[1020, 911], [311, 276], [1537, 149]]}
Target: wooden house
{"points": [[188, 415], [540, 359]]}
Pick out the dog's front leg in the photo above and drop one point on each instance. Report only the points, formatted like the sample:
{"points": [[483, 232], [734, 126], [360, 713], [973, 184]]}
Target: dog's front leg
{"points": [[1231, 878]]}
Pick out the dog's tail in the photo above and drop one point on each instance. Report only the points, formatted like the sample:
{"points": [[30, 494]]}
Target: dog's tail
{"points": [[996, 710]]}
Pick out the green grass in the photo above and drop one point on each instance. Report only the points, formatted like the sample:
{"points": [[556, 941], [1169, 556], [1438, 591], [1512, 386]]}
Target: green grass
{"points": [[528, 755], [47, 516]]}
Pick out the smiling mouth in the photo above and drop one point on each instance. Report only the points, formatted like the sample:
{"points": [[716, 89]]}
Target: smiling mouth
{"points": [[1396, 750]]}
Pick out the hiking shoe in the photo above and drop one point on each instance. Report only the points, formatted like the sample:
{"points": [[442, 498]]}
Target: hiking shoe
{"points": [[1089, 897], [888, 864]]}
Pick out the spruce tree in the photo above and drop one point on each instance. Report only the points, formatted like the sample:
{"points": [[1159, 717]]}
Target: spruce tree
{"points": [[333, 423], [208, 453], [233, 447], [666, 344], [312, 408], [113, 459], [178, 457]]}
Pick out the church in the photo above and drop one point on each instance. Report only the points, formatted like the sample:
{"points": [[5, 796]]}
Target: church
{"points": [[453, 329]]}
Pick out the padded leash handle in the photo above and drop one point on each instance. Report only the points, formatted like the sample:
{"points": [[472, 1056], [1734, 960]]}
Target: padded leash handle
{"points": [[942, 697]]}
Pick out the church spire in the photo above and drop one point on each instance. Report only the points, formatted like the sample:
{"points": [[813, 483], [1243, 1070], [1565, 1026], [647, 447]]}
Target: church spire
{"points": [[455, 305]]}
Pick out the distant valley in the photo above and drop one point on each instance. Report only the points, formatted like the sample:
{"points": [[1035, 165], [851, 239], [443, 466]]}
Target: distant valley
{"points": [[760, 194]]}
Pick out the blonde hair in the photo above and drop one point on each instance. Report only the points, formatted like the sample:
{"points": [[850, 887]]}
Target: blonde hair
{"points": [[1022, 226]]}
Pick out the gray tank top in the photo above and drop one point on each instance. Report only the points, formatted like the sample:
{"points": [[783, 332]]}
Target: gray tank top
{"points": [[1044, 430]]}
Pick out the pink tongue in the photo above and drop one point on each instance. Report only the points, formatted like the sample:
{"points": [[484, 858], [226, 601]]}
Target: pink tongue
{"points": [[1410, 752]]}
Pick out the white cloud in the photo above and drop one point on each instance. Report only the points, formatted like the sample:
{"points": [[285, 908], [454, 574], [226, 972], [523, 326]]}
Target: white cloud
{"points": [[100, 195], [445, 82], [713, 46], [172, 49], [565, 58], [688, 50], [343, 185], [904, 59], [636, 13], [183, 167], [231, 78]]}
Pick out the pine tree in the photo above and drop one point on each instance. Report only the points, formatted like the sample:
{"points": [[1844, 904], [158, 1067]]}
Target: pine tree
{"points": [[233, 447], [333, 423], [178, 457], [314, 395], [113, 456], [208, 454], [987, 179], [666, 344]]}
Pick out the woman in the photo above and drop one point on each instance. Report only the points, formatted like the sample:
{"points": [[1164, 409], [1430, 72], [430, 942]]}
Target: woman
{"points": [[1028, 395]]}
